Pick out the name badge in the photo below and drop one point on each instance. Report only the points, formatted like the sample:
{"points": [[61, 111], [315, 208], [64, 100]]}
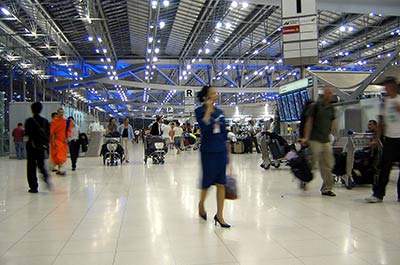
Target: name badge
{"points": [[216, 128]]}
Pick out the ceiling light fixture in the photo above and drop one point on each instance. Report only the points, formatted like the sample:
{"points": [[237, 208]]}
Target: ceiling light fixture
{"points": [[219, 24], [166, 3], [162, 24], [5, 11]]}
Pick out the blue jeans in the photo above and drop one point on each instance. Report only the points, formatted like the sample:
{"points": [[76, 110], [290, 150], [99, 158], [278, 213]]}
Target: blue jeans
{"points": [[20, 150]]}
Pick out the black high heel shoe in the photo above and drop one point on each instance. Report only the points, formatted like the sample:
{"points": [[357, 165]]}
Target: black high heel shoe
{"points": [[203, 216], [221, 224]]}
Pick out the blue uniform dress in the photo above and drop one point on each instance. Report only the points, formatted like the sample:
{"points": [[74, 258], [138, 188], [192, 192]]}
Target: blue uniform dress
{"points": [[213, 147]]}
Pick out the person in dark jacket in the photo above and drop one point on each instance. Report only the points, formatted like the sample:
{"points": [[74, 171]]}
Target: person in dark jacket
{"points": [[37, 129], [156, 127], [213, 149]]}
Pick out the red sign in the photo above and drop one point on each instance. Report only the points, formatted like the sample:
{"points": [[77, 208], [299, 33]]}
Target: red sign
{"points": [[291, 29]]}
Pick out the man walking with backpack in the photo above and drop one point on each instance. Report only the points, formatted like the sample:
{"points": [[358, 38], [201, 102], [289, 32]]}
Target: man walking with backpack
{"points": [[389, 128], [37, 129], [318, 127]]}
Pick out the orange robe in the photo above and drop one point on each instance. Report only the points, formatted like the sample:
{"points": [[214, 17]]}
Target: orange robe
{"points": [[58, 130]]}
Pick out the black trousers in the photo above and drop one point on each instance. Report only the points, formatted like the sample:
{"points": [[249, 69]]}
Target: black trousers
{"points": [[35, 159], [74, 146], [391, 154]]}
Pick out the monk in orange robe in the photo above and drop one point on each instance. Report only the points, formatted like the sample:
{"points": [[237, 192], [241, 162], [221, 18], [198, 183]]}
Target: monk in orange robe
{"points": [[59, 134]]}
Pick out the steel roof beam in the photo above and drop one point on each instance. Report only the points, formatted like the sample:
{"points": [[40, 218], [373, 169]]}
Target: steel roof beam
{"points": [[346, 18], [251, 22], [40, 16], [201, 22], [183, 88], [374, 75], [364, 33], [106, 30]]}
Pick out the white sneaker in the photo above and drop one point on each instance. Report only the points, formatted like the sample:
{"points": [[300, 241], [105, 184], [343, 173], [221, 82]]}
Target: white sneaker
{"points": [[373, 199]]}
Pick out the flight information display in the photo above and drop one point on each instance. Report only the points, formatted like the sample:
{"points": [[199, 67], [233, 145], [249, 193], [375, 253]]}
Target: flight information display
{"points": [[286, 108], [304, 96], [292, 99], [299, 104], [282, 116], [292, 107]]}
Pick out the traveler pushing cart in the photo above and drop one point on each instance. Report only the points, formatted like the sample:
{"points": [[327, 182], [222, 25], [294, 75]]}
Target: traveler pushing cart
{"points": [[154, 148]]}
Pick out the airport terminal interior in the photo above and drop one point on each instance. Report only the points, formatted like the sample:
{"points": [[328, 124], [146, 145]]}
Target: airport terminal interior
{"points": [[133, 195]]}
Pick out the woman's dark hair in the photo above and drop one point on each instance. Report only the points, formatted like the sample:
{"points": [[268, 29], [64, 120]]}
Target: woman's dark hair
{"points": [[71, 118], [110, 120], [126, 118], [202, 95]]}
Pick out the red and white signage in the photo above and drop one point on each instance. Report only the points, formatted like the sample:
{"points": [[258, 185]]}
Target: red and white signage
{"points": [[291, 29]]}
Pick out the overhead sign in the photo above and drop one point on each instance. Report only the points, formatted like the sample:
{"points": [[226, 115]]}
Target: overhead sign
{"points": [[189, 100], [296, 85], [300, 32]]}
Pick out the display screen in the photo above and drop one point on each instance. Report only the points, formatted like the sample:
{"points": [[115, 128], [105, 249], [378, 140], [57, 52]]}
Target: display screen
{"points": [[299, 104], [286, 108], [282, 115], [304, 96], [292, 106]]}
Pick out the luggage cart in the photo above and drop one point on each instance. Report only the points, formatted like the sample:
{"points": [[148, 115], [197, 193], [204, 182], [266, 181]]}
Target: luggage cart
{"points": [[356, 141]]}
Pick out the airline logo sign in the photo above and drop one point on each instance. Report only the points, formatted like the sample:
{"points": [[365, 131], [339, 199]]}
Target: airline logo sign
{"points": [[291, 26]]}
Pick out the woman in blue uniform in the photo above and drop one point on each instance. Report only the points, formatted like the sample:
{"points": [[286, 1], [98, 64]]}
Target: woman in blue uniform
{"points": [[214, 154]]}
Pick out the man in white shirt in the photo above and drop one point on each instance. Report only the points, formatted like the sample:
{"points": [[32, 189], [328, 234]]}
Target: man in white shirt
{"points": [[74, 143], [389, 128], [166, 129]]}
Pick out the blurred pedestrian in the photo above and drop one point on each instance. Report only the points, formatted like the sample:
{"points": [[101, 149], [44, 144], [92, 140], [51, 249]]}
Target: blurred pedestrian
{"points": [[213, 149], [18, 134], [37, 129]]}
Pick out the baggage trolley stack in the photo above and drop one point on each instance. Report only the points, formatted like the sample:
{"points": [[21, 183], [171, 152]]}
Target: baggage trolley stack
{"points": [[277, 148], [356, 142], [112, 151], [154, 148]]}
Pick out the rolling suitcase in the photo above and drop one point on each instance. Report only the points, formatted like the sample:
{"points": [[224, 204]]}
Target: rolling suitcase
{"points": [[238, 147]]}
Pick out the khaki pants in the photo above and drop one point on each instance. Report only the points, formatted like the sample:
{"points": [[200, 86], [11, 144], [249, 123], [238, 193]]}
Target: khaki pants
{"points": [[125, 145], [323, 154], [264, 150]]}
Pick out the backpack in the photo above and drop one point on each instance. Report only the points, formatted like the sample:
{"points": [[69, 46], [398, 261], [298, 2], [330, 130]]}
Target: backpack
{"points": [[304, 115], [41, 142]]}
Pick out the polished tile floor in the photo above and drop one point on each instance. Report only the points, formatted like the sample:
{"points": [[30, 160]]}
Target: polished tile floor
{"points": [[147, 214]]}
